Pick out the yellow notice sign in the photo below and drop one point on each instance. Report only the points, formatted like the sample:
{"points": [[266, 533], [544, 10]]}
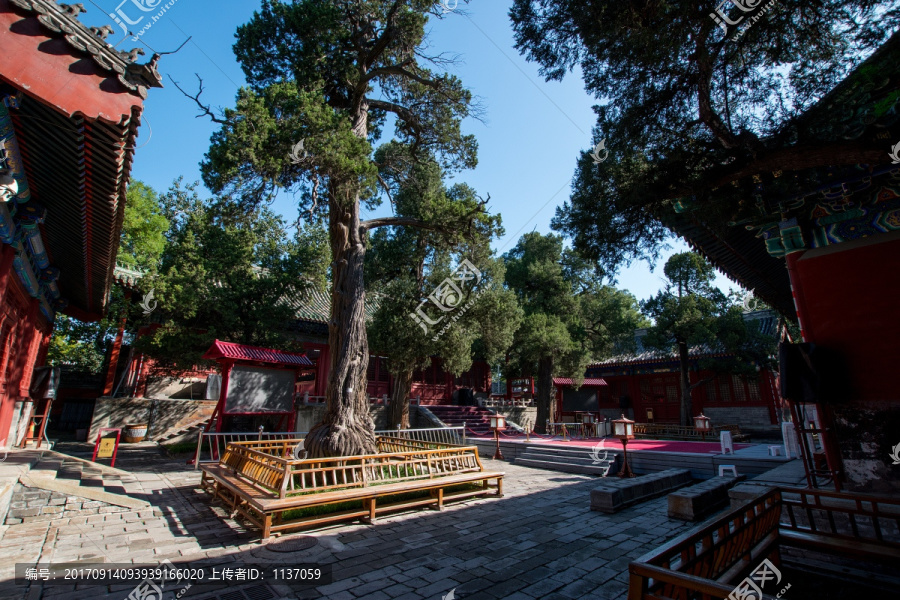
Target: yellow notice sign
{"points": [[107, 446]]}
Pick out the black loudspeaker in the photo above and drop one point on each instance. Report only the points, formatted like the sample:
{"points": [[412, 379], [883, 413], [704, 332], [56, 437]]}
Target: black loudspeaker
{"points": [[44, 382], [811, 373], [624, 402]]}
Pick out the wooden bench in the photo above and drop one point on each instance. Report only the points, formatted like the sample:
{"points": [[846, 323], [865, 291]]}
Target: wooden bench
{"points": [[261, 481], [709, 561]]}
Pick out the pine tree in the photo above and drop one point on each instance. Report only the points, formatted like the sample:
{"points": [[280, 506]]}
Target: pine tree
{"points": [[323, 77]]}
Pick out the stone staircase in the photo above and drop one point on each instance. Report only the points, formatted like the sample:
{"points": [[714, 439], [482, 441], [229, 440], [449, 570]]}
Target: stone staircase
{"points": [[476, 419], [188, 432], [55, 486], [585, 461]]}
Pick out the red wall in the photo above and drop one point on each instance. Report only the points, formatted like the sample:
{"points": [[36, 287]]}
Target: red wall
{"points": [[847, 297], [24, 338]]}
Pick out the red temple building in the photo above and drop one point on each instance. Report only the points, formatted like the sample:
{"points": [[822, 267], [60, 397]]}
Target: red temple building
{"points": [[70, 108], [646, 386], [822, 244]]}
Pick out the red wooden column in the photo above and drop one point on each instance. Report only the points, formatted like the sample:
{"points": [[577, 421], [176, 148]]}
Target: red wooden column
{"points": [[29, 348], [799, 295], [223, 393], [114, 359]]}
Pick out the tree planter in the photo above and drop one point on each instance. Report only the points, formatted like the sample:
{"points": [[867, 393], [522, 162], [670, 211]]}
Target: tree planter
{"points": [[133, 434]]}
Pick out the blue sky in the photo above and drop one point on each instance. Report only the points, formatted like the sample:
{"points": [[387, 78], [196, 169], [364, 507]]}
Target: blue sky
{"points": [[529, 140]]}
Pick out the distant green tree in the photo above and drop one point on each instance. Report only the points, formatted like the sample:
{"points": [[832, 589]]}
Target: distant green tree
{"points": [[690, 312], [570, 318], [80, 345], [144, 228], [229, 273], [405, 265]]}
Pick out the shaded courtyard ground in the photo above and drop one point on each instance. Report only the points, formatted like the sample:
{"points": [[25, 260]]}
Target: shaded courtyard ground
{"points": [[539, 541]]}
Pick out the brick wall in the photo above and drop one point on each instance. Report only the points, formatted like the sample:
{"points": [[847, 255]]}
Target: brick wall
{"points": [[30, 505]]}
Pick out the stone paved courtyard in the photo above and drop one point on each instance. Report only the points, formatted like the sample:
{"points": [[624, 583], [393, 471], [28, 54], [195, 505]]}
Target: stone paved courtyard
{"points": [[539, 541]]}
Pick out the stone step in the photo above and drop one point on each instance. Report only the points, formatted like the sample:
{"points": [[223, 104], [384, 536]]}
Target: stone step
{"points": [[602, 469], [194, 426], [571, 460], [569, 451]]}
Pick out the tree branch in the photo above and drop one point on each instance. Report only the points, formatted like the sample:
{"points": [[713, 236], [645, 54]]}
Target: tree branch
{"points": [[399, 221], [399, 70], [206, 110], [701, 382], [386, 36], [401, 111], [704, 100], [387, 190]]}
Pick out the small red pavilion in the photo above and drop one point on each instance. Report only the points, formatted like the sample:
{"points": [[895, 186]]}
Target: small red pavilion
{"points": [[256, 382]]}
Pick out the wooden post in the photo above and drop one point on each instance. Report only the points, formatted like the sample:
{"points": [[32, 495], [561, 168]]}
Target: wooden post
{"points": [[223, 394], [114, 359]]}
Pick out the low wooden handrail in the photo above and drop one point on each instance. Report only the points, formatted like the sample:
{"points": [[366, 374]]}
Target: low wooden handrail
{"points": [[264, 464], [683, 432], [698, 563]]}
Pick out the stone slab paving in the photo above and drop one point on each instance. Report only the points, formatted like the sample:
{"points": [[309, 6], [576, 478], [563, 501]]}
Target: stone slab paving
{"points": [[540, 541]]}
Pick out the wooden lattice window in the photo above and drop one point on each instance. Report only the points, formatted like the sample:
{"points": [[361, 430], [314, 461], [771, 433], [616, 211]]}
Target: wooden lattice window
{"points": [[724, 389], [711, 394], [755, 394], [740, 393]]}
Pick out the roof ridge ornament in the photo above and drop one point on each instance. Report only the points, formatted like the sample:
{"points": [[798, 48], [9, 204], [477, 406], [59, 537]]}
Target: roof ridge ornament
{"points": [[63, 19]]}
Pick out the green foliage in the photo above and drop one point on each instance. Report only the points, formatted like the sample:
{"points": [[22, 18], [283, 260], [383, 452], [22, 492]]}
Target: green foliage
{"points": [[406, 264], [571, 319], [313, 67], [569, 314], [143, 229], [228, 273], [685, 110], [80, 345]]}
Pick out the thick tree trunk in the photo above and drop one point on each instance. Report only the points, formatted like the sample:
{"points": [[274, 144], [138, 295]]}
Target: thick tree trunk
{"points": [[544, 400], [399, 413], [347, 427], [686, 402]]}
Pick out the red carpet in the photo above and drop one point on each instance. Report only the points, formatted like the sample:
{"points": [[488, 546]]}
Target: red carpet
{"points": [[614, 444]]}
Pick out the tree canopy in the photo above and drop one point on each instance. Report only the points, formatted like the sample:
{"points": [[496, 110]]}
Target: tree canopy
{"points": [[686, 108], [144, 228], [407, 265]]}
